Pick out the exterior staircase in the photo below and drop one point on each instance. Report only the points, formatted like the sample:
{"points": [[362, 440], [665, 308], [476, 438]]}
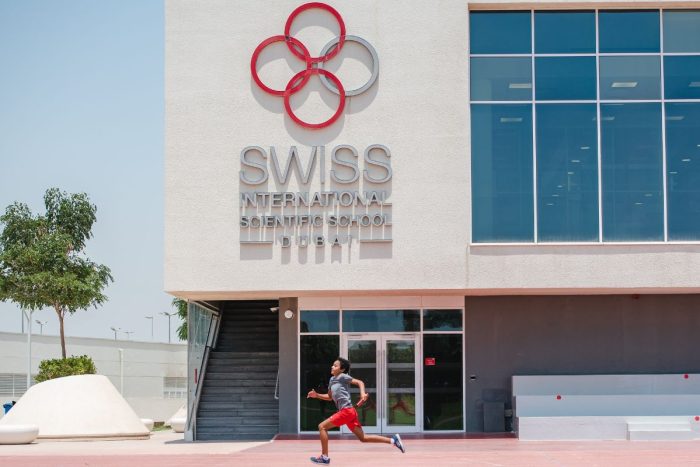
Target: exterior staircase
{"points": [[238, 392]]}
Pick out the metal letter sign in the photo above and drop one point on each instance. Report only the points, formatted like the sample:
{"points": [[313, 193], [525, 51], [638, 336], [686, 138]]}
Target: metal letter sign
{"points": [[314, 65]]}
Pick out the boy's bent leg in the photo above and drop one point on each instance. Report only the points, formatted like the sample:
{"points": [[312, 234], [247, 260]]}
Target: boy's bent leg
{"points": [[369, 438], [323, 428]]}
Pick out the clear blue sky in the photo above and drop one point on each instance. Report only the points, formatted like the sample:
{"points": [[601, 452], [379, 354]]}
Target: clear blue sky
{"points": [[81, 108]]}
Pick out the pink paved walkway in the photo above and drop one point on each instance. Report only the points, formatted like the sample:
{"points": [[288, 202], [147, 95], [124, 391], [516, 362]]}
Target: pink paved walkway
{"points": [[423, 453]]}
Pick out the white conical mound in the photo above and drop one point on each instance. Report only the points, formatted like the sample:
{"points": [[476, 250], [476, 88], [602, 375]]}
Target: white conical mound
{"points": [[85, 406], [181, 413], [178, 421]]}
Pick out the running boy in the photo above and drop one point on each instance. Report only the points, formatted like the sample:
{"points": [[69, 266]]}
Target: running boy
{"points": [[339, 392]]}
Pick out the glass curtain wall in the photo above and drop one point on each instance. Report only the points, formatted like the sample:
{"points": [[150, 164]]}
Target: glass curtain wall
{"points": [[442, 334], [585, 126]]}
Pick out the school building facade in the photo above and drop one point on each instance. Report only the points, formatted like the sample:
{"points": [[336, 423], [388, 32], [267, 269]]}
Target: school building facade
{"points": [[448, 193]]}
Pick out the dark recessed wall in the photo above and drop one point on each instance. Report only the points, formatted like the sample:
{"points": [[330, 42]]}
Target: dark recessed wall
{"points": [[545, 335]]}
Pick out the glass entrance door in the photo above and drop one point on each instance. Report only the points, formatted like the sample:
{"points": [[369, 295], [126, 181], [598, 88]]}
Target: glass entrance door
{"points": [[388, 365]]}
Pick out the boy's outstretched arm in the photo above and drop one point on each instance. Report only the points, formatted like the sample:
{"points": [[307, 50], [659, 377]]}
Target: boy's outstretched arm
{"points": [[363, 395], [314, 395]]}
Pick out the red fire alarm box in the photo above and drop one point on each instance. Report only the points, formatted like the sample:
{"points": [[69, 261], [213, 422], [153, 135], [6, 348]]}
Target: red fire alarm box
{"points": [[429, 361]]}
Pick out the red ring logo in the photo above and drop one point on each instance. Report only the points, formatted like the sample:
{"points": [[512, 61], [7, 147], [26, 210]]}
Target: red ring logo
{"points": [[313, 64]]}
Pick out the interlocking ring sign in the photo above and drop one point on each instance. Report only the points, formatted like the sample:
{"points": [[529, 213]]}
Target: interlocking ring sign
{"points": [[314, 65]]}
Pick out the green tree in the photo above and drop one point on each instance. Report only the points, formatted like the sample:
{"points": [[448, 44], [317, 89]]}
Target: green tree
{"points": [[181, 307], [60, 367], [42, 263]]}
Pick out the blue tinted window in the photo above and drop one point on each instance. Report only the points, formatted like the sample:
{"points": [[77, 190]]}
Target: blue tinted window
{"points": [[567, 172], [500, 32], [381, 321], [630, 77], [564, 32], [501, 79], [681, 31], [565, 78], [319, 321], [502, 204], [683, 170], [629, 31], [682, 77], [632, 178]]}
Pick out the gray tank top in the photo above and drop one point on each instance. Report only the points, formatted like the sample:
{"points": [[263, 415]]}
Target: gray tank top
{"points": [[339, 387]]}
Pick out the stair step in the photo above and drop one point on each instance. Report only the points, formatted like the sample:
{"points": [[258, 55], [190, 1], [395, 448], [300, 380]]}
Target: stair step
{"points": [[248, 339], [220, 409], [238, 409], [240, 383], [261, 401], [235, 347], [214, 409], [658, 426], [256, 330], [239, 362], [233, 390], [661, 435], [204, 422], [261, 326], [241, 365], [208, 436], [250, 317], [245, 399], [229, 321], [245, 337], [238, 429], [217, 366], [240, 375], [241, 355]]}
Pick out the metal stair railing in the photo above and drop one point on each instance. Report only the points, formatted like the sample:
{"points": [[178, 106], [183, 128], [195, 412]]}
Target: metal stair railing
{"points": [[213, 317]]}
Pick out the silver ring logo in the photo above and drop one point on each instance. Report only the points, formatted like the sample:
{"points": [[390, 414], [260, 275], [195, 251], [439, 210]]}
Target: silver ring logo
{"points": [[375, 65]]}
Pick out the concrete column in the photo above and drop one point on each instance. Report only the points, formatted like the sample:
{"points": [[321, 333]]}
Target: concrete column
{"points": [[288, 365]]}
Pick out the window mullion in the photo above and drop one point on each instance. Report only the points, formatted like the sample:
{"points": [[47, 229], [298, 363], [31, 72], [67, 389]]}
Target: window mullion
{"points": [[534, 128], [598, 131], [663, 128]]}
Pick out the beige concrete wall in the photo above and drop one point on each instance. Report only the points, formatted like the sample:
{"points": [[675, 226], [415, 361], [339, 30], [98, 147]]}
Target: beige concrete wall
{"points": [[145, 366], [418, 108]]}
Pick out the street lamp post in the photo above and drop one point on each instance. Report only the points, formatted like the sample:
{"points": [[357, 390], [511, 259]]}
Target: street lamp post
{"points": [[128, 334], [115, 331], [169, 315], [121, 370], [29, 346], [151, 318], [41, 326]]}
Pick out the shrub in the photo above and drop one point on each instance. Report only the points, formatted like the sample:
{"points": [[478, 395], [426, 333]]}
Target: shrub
{"points": [[59, 367]]}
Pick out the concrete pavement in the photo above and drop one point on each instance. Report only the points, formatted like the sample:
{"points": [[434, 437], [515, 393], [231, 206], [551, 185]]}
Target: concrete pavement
{"points": [[168, 449]]}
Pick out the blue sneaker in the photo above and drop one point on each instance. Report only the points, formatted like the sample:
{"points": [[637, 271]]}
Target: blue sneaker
{"points": [[321, 460], [396, 439]]}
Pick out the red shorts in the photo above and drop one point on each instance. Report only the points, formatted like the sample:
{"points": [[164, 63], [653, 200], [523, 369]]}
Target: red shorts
{"points": [[347, 417]]}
